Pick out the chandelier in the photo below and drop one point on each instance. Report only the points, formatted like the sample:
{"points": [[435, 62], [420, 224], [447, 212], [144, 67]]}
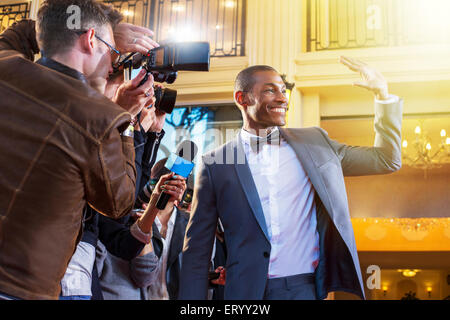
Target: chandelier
{"points": [[422, 154]]}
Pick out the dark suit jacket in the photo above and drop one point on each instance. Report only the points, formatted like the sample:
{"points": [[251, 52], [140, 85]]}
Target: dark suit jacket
{"points": [[175, 252], [225, 189], [146, 146]]}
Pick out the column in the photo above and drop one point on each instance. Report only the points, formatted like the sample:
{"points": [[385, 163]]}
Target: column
{"points": [[274, 38]]}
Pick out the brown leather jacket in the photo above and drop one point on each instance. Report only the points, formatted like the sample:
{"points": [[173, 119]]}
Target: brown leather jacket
{"points": [[60, 148]]}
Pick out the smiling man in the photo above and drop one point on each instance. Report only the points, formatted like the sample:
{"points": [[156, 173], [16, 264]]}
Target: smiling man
{"points": [[284, 208], [260, 94]]}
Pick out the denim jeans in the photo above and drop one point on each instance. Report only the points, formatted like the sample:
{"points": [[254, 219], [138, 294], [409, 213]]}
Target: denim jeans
{"points": [[75, 297], [4, 296]]}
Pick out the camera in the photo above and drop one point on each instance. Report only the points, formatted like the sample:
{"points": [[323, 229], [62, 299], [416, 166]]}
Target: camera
{"points": [[165, 99], [164, 63]]}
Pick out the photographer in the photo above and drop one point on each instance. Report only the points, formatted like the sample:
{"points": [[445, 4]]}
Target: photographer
{"points": [[120, 238], [168, 236], [142, 277], [80, 281], [64, 144], [115, 245], [146, 144]]}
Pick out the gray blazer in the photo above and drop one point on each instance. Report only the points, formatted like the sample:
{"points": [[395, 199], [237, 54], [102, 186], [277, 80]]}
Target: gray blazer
{"points": [[125, 280], [225, 189]]}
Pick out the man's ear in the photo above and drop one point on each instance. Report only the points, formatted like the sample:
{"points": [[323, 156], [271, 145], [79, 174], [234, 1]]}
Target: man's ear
{"points": [[87, 41], [241, 98]]}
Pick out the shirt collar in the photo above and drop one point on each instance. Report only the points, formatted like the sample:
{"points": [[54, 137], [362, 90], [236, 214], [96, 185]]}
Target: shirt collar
{"points": [[247, 136], [173, 216], [171, 221], [55, 65]]}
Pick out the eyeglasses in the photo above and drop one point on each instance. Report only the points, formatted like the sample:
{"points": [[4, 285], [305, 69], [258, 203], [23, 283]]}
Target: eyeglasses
{"points": [[115, 54]]}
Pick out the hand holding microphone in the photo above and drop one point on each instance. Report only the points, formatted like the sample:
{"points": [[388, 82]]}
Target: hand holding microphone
{"points": [[172, 185], [180, 164]]}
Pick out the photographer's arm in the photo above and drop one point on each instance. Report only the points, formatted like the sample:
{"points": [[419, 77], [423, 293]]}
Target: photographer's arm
{"points": [[21, 37], [110, 180], [175, 186], [128, 243]]}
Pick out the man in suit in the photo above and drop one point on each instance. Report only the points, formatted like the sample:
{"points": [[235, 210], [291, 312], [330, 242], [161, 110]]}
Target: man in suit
{"points": [[280, 195]]}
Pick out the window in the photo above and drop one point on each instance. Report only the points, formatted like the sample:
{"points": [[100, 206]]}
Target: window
{"points": [[208, 126], [11, 13], [219, 22]]}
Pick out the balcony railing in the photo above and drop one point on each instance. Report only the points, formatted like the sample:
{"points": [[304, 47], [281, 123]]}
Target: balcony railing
{"points": [[11, 13], [345, 24], [220, 22]]}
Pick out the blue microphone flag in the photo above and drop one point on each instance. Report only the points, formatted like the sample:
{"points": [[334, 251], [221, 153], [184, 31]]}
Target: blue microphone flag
{"points": [[179, 165]]}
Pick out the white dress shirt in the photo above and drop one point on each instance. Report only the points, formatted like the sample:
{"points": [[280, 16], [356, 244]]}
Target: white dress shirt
{"points": [[287, 200], [158, 290]]}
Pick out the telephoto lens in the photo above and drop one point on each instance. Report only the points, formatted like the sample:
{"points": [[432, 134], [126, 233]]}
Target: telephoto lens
{"points": [[165, 99]]}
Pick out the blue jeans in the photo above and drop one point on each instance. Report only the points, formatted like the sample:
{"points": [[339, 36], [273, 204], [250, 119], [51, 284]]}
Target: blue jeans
{"points": [[4, 296], [75, 297]]}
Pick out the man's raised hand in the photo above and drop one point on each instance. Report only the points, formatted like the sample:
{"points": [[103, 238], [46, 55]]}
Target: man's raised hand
{"points": [[371, 79]]}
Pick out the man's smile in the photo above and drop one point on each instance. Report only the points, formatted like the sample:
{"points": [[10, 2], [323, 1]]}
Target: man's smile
{"points": [[277, 109]]}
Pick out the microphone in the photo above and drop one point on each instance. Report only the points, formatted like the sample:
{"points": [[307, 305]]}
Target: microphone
{"points": [[181, 164]]}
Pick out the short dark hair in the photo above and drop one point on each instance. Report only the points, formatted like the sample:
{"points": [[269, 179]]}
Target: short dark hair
{"points": [[54, 33], [245, 81]]}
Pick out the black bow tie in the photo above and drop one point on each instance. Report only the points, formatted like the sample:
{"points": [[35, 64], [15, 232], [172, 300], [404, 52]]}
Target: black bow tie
{"points": [[257, 143]]}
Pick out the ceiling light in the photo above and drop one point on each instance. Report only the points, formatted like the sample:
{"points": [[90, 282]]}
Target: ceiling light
{"points": [[230, 4]]}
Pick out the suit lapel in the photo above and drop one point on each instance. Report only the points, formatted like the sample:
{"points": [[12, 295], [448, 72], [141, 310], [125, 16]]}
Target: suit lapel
{"points": [[157, 240], [305, 158], [248, 185]]}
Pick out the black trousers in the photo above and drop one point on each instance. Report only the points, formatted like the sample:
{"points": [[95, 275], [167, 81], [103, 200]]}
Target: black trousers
{"points": [[297, 287]]}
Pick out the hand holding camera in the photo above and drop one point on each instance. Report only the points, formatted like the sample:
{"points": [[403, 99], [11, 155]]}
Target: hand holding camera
{"points": [[163, 64], [133, 97], [147, 119], [131, 38]]}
